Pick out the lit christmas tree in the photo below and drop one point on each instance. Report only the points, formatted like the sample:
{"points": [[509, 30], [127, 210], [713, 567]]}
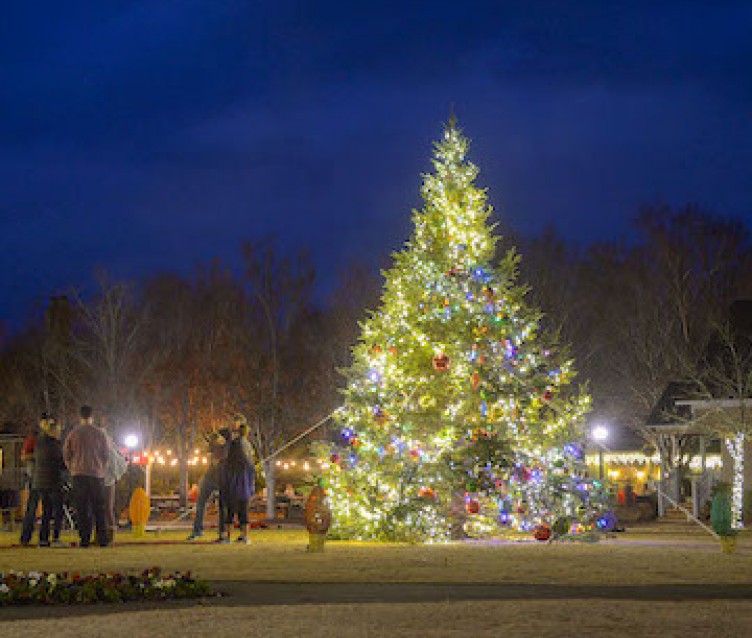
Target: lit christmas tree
{"points": [[454, 400]]}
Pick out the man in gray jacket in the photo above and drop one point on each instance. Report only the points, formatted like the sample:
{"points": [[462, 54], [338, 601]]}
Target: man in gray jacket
{"points": [[86, 453]]}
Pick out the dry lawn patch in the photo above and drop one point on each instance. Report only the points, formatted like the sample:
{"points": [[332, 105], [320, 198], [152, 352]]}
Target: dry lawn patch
{"points": [[281, 556]]}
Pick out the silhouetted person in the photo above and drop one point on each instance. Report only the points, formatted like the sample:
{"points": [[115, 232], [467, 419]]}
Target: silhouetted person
{"points": [[27, 458], [117, 466], [46, 485], [209, 484], [86, 453], [238, 482]]}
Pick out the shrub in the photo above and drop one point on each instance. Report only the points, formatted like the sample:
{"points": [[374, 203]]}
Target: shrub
{"points": [[720, 514], [42, 588]]}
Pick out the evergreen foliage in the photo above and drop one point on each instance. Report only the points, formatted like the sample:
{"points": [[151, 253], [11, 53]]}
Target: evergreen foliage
{"points": [[453, 389]]}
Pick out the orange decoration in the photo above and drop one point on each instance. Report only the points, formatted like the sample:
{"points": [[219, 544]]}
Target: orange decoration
{"points": [[139, 510], [381, 418], [318, 518]]}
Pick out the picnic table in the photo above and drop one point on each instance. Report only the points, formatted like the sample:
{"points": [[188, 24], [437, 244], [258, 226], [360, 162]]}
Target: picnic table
{"points": [[165, 501], [287, 506]]}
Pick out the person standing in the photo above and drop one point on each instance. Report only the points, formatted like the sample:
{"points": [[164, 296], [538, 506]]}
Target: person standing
{"points": [[33, 497], [238, 482], [45, 467], [221, 457], [49, 468], [86, 453], [117, 466], [209, 483]]}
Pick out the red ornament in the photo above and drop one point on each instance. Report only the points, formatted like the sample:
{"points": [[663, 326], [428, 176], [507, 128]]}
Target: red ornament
{"points": [[441, 362], [376, 349], [392, 350], [334, 458], [542, 532], [414, 454], [476, 380], [472, 506], [548, 395], [524, 473]]}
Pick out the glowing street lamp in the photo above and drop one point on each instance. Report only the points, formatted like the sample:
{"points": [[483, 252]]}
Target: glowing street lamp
{"points": [[132, 442]]}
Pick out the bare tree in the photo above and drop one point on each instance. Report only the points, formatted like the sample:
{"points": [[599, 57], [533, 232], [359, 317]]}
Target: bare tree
{"points": [[720, 393], [278, 377], [190, 340]]}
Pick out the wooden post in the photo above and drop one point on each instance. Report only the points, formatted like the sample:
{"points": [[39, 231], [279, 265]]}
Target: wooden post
{"points": [[147, 478], [271, 489], [695, 497]]}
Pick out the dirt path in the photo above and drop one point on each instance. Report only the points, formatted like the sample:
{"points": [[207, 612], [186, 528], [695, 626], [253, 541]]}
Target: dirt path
{"points": [[253, 594]]}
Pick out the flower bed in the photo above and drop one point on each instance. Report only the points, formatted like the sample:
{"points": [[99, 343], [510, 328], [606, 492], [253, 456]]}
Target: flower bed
{"points": [[71, 588]]}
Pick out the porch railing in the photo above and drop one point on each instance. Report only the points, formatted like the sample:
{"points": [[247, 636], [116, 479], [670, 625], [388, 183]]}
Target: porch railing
{"points": [[687, 513]]}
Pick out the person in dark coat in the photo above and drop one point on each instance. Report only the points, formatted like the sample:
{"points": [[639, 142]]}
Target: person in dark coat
{"points": [[47, 483], [209, 483], [32, 501], [237, 484], [220, 455]]}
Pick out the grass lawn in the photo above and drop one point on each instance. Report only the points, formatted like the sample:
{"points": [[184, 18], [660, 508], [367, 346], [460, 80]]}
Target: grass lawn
{"points": [[277, 555]]}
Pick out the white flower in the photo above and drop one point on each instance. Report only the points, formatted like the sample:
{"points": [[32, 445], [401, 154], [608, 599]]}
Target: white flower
{"points": [[158, 584], [4, 589], [169, 583], [52, 579], [35, 575], [33, 582]]}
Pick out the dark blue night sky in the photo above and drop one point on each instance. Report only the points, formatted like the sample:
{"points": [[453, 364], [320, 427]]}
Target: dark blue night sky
{"points": [[156, 134]]}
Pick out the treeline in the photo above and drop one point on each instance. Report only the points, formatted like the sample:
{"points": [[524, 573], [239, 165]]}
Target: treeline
{"points": [[639, 313], [173, 356]]}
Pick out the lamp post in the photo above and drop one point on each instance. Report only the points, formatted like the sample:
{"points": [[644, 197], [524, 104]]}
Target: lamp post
{"points": [[599, 434], [131, 442]]}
